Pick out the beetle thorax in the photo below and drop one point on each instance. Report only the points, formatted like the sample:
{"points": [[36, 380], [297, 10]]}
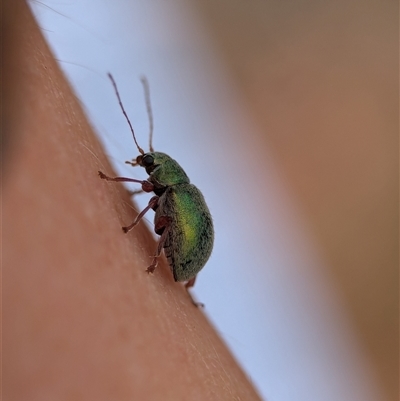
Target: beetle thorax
{"points": [[163, 170]]}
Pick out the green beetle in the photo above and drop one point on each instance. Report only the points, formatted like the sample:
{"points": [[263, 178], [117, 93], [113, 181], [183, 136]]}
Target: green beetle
{"points": [[182, 218]]}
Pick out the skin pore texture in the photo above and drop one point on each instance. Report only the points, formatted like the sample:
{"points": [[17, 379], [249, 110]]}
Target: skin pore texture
{"points": [[81, 318]]}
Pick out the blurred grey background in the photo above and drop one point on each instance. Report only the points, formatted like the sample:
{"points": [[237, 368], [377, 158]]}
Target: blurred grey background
{"points": [[285, 115]]}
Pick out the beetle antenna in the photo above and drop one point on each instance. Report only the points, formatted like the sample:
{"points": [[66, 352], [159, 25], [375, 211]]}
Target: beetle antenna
{"points": [[146, 88], [123, 111]]}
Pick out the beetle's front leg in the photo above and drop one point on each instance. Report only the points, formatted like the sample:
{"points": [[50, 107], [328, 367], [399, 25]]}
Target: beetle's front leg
{"points": [[153, 202], [162, 226], [147, 186]]}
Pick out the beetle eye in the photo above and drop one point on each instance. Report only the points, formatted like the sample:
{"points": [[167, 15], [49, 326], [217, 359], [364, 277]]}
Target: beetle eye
{"points": [[147, 160]]}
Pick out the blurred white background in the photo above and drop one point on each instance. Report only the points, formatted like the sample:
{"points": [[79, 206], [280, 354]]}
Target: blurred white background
{"points": [[265, 286]]}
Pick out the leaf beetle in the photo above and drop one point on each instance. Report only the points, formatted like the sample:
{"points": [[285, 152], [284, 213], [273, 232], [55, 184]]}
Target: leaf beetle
{"points": [[182, 218]]}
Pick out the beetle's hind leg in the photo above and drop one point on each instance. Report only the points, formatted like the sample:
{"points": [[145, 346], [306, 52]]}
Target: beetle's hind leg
{"points": [[162, 227], [190, 284]]}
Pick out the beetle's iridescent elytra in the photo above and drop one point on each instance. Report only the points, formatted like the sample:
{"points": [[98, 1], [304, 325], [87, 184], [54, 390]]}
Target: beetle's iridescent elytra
{"points": [[182, 218]]}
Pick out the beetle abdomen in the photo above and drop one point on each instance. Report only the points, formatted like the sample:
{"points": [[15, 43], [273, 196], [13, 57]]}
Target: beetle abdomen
{"points": [[191, 235]]}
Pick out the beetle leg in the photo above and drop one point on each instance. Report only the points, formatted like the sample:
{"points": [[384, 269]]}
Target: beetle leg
{"points": [[190, 284], [146, 185], [162, 224], [135, 192], [152, 203], [133, 163]]}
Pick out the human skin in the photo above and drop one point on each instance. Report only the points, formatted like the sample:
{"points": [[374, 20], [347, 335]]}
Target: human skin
{"points": [[81, 317]]}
